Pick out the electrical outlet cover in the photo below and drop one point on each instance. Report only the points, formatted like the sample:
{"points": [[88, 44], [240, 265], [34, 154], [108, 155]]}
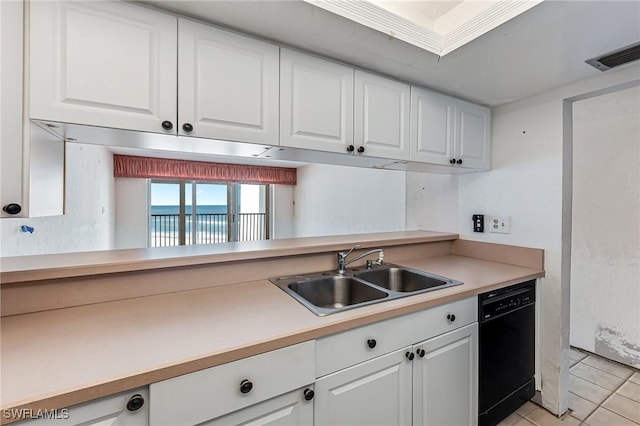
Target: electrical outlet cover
{"points": [[500, 224]]}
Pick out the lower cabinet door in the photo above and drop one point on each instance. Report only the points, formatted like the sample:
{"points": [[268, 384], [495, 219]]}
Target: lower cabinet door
{"points": [[291, 409], [124, 409], [445, 384], [375, 392]]}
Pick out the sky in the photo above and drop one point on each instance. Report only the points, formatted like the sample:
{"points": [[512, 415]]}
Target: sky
{"points": [[168, 194]]}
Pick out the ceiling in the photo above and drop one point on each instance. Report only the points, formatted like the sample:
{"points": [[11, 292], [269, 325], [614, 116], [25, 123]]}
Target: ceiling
{"points": [[541, 49]]}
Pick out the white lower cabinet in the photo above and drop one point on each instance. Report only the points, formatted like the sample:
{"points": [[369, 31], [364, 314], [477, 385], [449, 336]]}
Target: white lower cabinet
{"points": [[445, 379], [269, 388], [375, 392], [129, 408], [291, 409], [432, 383]]}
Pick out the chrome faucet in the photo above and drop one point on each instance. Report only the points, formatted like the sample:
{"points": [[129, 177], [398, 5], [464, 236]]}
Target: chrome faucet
{"points": [[342, 258]]}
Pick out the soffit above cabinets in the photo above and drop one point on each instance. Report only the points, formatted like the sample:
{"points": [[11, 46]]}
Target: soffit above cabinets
{"points": [[439, 27], [541, 49]]}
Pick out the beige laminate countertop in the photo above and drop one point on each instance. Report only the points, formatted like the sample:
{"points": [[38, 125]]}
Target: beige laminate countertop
{"points": [[69, 265], [62, 357]]}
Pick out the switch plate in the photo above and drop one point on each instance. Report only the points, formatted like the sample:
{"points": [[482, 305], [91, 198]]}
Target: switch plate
{"points": [[478, 222], [500, 224]]}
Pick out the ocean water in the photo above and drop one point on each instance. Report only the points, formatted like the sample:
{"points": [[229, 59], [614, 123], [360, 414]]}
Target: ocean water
{"points": [[210, 225], [210, 229], [200, 209]]}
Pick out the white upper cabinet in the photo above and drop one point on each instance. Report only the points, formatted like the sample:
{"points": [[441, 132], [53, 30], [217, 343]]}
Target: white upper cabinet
{"points": [[316, 101], [448, 131], [31, 159], [432, 127], [473, 136], [110, 64], [381, 124], [228, 85]]}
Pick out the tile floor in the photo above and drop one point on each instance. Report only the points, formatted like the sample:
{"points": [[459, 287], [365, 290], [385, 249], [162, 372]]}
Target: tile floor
{"points": [[602, 393]]}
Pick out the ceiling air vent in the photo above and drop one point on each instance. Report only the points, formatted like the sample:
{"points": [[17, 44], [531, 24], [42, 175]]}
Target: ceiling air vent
{"points": [[616, 58]]}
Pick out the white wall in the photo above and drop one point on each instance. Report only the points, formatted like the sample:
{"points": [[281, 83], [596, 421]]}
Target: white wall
{"points": [[331, 200], [89, 221], [605, 246], [432, 202], [132, 213], [282, 207], [527, 183]]}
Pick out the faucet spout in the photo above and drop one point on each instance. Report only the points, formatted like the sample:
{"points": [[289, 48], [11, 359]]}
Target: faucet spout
{"points": [[342, 258]]}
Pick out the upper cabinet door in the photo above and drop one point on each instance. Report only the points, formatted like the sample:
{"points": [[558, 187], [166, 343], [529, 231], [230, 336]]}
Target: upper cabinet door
{"points": [[474, 136], [381, 124], [228, 85], [316, 103], [432, 127], [110, 64]]}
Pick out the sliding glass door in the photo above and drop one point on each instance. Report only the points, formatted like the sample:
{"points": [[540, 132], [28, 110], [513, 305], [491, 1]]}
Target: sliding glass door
{"points": [[207, 213]]}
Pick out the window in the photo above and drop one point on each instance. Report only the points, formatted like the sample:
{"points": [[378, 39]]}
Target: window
{"points": [[189, 212]]}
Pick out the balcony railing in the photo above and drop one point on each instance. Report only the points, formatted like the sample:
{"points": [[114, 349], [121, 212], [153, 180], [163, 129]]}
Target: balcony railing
{"points": [[210, 228]]}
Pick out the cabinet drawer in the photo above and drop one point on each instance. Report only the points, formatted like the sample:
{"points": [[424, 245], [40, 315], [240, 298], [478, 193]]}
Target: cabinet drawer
{"points": [[207, 394], [351, 347], [129, 408]]}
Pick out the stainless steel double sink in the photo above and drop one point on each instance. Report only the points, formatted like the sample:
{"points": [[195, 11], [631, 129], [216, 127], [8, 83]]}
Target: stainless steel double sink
{"points": [[325, 293]]}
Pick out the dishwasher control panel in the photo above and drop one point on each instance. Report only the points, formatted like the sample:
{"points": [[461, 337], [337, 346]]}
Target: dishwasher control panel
{"points": [[499, 303]]}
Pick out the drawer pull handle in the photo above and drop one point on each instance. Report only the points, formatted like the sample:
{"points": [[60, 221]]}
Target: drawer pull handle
{"points": [[187, 127], [308, 394], [451, 317], [135, 402], [246, 386], [421, 353], [410, 356], [372, 343]]}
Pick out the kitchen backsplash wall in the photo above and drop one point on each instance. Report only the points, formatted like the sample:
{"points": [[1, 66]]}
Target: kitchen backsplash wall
{"points": [[332, 200], [89, 222]]}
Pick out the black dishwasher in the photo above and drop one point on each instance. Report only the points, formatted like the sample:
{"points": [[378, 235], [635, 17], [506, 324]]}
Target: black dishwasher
{"points": [[506, 351]]}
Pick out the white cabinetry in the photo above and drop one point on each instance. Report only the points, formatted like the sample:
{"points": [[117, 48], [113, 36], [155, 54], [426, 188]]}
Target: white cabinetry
{"points": [[228, 85], [316, 103], [128, 408], [445, 379], [116, 65], [381, 125], [290, 409], [251, 388], [448, 131], [109, 64], [32, 159], [473, 135], [379, 374], [375, 392]]}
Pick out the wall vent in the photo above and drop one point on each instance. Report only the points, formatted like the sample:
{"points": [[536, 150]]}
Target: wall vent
{"points": [[616, 58]]}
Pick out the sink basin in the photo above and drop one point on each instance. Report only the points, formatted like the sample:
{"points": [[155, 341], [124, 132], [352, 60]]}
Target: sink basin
{"points": [[402, 279], [329, 292], [336, 291]]}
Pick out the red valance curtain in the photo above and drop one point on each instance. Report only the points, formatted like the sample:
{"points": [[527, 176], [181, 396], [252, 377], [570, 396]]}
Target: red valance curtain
{"points": [[162, 168]]}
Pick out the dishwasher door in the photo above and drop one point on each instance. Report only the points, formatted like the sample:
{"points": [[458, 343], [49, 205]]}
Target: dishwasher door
{"points": [[506, 352]]}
